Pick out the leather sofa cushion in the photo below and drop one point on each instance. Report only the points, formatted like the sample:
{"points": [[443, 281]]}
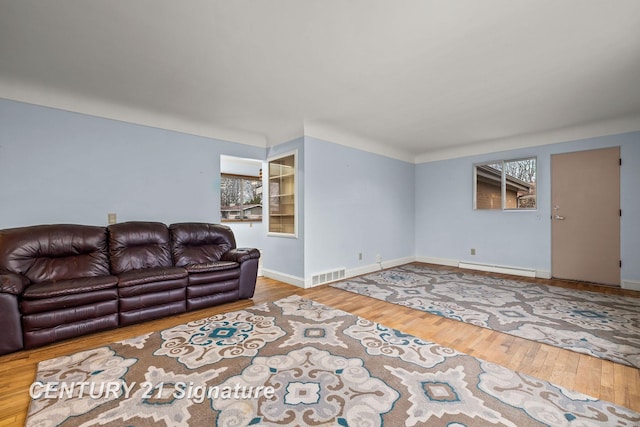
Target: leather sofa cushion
{"points": [[62, 315], [45, 253], [148, 300], [69, 287], [197, 291], [212, 299], [139, 245], [150, 275], [213, 276], [40, 336], [152, 312], [211, 266], [28, 306], [200, 243], [144, 289]]}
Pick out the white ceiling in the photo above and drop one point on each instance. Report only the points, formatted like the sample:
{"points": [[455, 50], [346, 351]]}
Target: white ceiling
{"points": [[414, 80]]}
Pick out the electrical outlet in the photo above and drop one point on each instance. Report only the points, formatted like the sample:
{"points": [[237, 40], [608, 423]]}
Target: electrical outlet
{"points": [[360, 256], [473, 251], [111, 218], [378, 258]]}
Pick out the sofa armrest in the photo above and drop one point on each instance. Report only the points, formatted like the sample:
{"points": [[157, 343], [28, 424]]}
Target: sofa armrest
{"points": [[12, 283], [248, 259], [11, 287], [240, 255]]}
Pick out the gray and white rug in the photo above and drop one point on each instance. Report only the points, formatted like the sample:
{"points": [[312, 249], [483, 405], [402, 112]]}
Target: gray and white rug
{"points": [[602, 325], [295, 362]]}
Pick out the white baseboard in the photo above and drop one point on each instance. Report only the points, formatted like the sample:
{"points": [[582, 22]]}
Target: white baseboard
{"points": [[283, 277], [353, 272], [370, 268], [498, 269], [359, 271], [365, 269], [439, 261], [518, 271], [631, 285], [398, 262], [543, 274]]}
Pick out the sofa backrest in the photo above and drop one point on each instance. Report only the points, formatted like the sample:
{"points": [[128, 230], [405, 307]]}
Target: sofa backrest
{"points": [[199, 242], [138, 244], [55, 252]]}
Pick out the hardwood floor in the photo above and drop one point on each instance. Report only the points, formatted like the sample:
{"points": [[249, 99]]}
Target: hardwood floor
{"points": [[598, 378]]}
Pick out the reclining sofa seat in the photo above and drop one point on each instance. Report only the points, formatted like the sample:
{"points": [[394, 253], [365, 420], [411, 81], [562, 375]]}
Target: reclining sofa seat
{"points": [[57, 277], [218, 271], [62, 281], [149, 286]]}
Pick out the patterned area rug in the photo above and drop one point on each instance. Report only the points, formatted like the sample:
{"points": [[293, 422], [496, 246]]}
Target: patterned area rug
{"points": [[604, 326], [297, 362]]}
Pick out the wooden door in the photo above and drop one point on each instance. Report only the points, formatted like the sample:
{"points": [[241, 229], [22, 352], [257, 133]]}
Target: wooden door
{"points": [[585, 216]]}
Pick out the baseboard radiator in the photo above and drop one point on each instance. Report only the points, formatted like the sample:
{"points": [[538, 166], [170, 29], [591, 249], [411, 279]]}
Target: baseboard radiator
{"points": [[498, 269]]}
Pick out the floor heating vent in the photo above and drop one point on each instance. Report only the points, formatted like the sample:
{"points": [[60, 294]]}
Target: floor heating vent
{"points": [[328, 276]]}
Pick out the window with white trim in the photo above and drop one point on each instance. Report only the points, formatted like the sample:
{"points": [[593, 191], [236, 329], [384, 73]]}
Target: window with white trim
{"points": [[240, 198], [505, 185]]}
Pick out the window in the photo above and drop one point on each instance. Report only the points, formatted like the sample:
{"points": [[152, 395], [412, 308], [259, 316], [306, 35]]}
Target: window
{"points": [[505, 185], [240, 198]]}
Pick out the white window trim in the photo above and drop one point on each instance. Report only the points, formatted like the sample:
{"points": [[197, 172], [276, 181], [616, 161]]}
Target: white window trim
{"points": [[503, 187]]}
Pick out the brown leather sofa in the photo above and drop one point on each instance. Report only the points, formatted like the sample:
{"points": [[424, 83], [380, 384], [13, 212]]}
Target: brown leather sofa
{"points": [[63, 281]]}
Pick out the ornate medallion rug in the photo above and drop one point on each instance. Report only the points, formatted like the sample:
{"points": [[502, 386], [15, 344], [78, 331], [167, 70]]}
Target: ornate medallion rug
{"points": [[601, 325], [295, 362]]}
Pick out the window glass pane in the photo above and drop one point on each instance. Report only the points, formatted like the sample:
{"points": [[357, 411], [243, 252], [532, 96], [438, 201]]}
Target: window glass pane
{"points": [[489, 186], [252, 200], [229, 191], [509, 184], [240, 198], [520, 178]]}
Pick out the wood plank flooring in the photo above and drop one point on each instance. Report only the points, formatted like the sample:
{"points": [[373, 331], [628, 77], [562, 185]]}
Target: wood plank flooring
{"points": [[598, 378]]}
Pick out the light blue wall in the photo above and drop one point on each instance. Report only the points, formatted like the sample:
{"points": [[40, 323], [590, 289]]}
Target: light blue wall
{"points": [[286, 254], [356, 202], [446, 226], [63, 167]]}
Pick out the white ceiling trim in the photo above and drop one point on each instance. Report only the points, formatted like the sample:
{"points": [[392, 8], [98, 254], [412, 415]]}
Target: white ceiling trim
{"points": [[49, 97], [591, 130]]}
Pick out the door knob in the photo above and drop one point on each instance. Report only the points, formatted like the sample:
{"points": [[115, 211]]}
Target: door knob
{"points": [[558, 217]]}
